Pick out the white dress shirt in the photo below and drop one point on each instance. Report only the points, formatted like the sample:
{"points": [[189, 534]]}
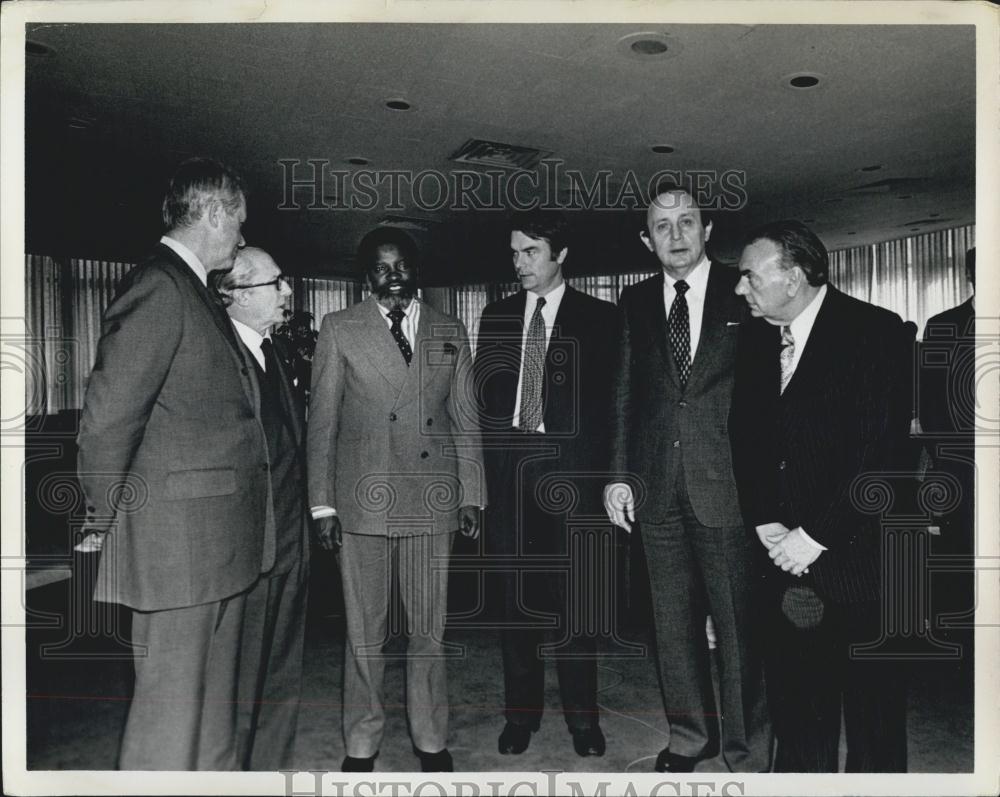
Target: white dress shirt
{"points": [[188, 257], [697, 282], [252, 339], [549, 312]]}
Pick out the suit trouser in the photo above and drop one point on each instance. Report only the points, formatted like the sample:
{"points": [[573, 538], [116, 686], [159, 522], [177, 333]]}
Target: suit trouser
{"points": [[694, 571], [183, 710], [369, 566], [270, 684], [543, 601], [811, 674]]}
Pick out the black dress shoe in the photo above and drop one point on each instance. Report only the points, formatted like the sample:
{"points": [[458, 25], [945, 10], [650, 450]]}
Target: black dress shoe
{"points": [[352, 764], [671, 762], [588, 741], [514, 739], [435, 762]]}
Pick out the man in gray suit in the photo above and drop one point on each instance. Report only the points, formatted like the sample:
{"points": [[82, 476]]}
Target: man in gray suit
{"points": [[395, 468], [174, 465], [256, 294], [672, 392]]}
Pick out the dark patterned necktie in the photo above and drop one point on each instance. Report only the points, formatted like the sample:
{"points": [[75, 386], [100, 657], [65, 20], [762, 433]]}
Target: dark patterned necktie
{"points": [[270, 362], [396, 316], [530, 415], [679, 330]]}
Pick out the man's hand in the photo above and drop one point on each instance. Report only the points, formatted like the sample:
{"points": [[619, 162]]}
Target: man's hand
{"points": [[620, 504], [468, 521], [770, 534], [328, 532], [793, 554]]}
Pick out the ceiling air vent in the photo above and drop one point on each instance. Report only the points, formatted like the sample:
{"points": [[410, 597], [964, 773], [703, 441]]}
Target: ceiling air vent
{"points": [[407, 222], [492, 153]]}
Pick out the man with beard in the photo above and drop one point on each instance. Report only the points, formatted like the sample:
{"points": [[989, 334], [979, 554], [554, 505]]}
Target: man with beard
{"points": [[395, 468]]}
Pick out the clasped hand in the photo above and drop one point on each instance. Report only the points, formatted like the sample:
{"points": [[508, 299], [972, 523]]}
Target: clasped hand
{"points": [[787, 548]]}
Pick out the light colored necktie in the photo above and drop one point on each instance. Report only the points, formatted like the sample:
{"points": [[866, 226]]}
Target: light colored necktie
{"points": [[787, 356], [533, 371], [679, 330]]}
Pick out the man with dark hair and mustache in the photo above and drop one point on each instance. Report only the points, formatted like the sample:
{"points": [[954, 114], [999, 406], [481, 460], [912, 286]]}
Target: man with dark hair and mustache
{"points": [[395, 468]]}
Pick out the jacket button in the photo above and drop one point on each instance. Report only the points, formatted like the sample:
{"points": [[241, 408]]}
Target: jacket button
{"points": [[392, 416], [677, 443], [682, 403], [245, 371], [430, 421], [265, 467], [782, 465], [424, 455]]}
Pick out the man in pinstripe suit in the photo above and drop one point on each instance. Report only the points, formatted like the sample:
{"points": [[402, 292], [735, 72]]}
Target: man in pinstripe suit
{"points": [[821, 400]]}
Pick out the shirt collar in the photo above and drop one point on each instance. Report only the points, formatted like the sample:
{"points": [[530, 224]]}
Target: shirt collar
{"points": [[189, 257], [250, 336], [407, 313], [802, 324], [697, 279], [552, 298]]}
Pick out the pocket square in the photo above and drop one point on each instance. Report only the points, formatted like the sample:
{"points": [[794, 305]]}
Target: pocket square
{"points": [[732, 323]]}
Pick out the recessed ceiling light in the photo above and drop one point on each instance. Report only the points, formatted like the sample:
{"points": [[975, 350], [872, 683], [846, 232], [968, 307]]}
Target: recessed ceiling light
{"points": [[398, 104], [356, 161], [37, 49], [802, 80], [905, 196], [648, 45], [873, 168], [662, 149], [852, 233], [933, 215], [914, 229]]}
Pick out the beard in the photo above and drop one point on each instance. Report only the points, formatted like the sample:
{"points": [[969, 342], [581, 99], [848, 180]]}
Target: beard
{"points": [[402, 298]]}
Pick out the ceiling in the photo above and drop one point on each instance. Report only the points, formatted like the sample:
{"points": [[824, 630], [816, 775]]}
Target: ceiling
{"points": [[110, 108]]}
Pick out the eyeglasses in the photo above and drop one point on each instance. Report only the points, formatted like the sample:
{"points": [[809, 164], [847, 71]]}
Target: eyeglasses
{"points": [[277, 282]]}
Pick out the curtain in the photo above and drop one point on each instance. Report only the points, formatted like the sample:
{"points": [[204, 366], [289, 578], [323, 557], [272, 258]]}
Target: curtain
{"points": [[321, 296], [916, 277], [65, 299]]}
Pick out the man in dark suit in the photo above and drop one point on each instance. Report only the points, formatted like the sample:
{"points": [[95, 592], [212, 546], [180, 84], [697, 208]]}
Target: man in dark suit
{"points": [[173, 462], [543, 364], [947, 413], [821, 401], [256, 294], [672, 393], [395, 468]]}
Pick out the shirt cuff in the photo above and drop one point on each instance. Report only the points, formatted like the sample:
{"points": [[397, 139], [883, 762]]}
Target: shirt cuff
{"points": [[805, 536], [322, 511]]}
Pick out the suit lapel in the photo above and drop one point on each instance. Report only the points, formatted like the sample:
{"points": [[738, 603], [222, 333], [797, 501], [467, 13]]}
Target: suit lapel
{"points": [[822, 337], [288, 398], [380, 347], [656, 311], [712, 324]]}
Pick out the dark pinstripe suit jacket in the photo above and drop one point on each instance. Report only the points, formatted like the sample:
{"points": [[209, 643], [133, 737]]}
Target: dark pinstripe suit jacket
{"points": [[844, 415]]}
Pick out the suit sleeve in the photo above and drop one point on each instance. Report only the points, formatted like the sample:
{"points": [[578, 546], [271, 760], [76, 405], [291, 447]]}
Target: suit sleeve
{"points": [[621, 392], [462, 413], [326, 396], [141, 332]]}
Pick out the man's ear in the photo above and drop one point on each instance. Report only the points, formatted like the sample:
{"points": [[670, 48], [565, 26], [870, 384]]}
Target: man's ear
{"points": [[708, 231], [214, 212], [562, 255], [796, 277], [644, 237]]}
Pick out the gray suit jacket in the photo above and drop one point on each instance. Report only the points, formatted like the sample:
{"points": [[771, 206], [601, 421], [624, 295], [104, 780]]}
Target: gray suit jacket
{"points": [[173, 459], [658, 427], [395, 449]]}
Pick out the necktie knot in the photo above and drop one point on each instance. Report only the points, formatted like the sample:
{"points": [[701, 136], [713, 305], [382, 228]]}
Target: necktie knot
{"points": [[787, 356], [396, 315], [786, 337], [681, 287], [541, 302]]}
